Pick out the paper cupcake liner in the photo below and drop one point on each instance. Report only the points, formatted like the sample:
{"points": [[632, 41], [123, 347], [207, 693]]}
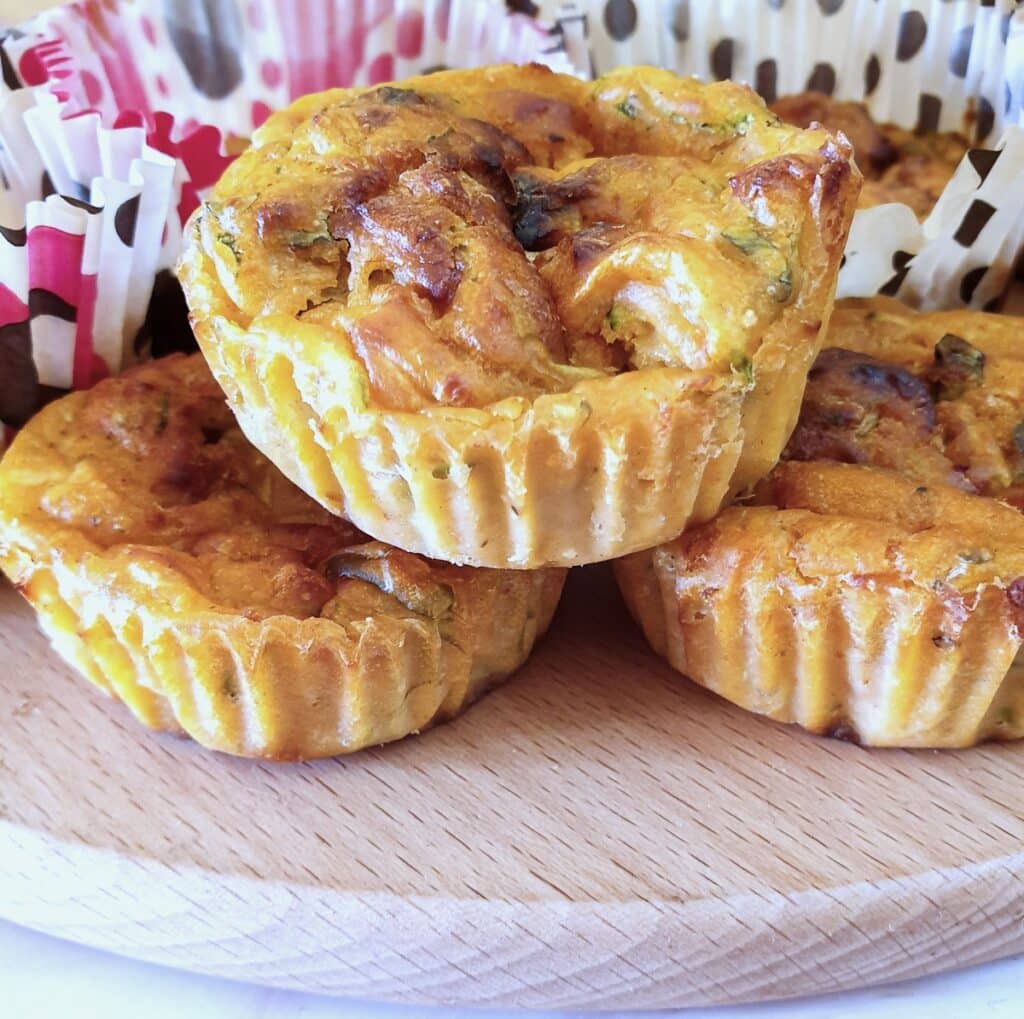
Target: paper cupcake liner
{"points": [[129, 112], [563, 481], [391, 645], [308, 693], [82, 217], [926, 64], [876, 662]]}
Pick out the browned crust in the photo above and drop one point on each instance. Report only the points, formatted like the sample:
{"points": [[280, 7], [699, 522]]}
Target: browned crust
{"points": [[874, 600], [898, 165], [179, 571], [560, 381]]}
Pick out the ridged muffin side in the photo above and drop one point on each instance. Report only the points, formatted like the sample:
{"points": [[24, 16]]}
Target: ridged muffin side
{"points": [[173, 566], [503, 317], [859, 604]]}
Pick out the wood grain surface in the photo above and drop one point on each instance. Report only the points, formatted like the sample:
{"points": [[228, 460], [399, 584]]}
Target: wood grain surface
{"points": [[597, 833]]}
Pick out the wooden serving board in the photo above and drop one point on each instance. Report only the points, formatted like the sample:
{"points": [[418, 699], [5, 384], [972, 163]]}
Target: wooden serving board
{"points": [[597, 833]]}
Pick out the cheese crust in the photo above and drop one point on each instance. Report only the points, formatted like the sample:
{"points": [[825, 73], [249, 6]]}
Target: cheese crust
{"points": [[177, 568], [506, 317], [874, 588]]}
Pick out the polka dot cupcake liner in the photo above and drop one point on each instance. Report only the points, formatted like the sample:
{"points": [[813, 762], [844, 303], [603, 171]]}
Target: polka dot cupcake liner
{"points": [[82, 225], [931, 65], [116, 117]]}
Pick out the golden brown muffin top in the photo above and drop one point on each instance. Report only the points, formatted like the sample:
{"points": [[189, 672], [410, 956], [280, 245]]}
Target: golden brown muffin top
{"points": [[150, 471], [898, 165], [851, 521], [938, 397], [507, 231], [907, 463]]}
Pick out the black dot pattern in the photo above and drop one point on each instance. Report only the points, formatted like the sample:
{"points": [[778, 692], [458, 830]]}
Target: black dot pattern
{"points": [[124, 220], [15, 236], [822, 79], [766, 80], [977, 215], [912, 34], [10, 76], [983, 160], [46, 302], [776, 5], [985, 119], [681, 21], [527, 7], [872, 74], [929, 110], [165, 329], [212, 58], [620, 19], [18, 381], [901, 263], [722, 56], [970, 282], [960, 54], [830, 6]]}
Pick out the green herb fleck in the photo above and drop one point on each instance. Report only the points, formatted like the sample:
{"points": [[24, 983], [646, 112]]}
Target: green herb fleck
{"points": [[1005, 716], [229, 688], [744, 367], [305, 238], [867, 424], [628, 107], [739, 124], [749, 243], [398, 96], [615, 317], [957, 366], [441, 472], [230, 241]]}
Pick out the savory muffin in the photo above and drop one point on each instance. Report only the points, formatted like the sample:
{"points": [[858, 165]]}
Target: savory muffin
{"points": [[874, 588], [507, 317], [898, 165], [176, 568]]}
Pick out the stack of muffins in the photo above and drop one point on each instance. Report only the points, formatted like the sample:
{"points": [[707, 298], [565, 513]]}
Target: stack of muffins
{"points": [[481, 327]]}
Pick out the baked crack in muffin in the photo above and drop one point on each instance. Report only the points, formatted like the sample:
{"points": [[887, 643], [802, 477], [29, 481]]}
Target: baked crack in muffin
{"points": [[179, 571], [898, 165], [874, 589], [509, 318]]}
